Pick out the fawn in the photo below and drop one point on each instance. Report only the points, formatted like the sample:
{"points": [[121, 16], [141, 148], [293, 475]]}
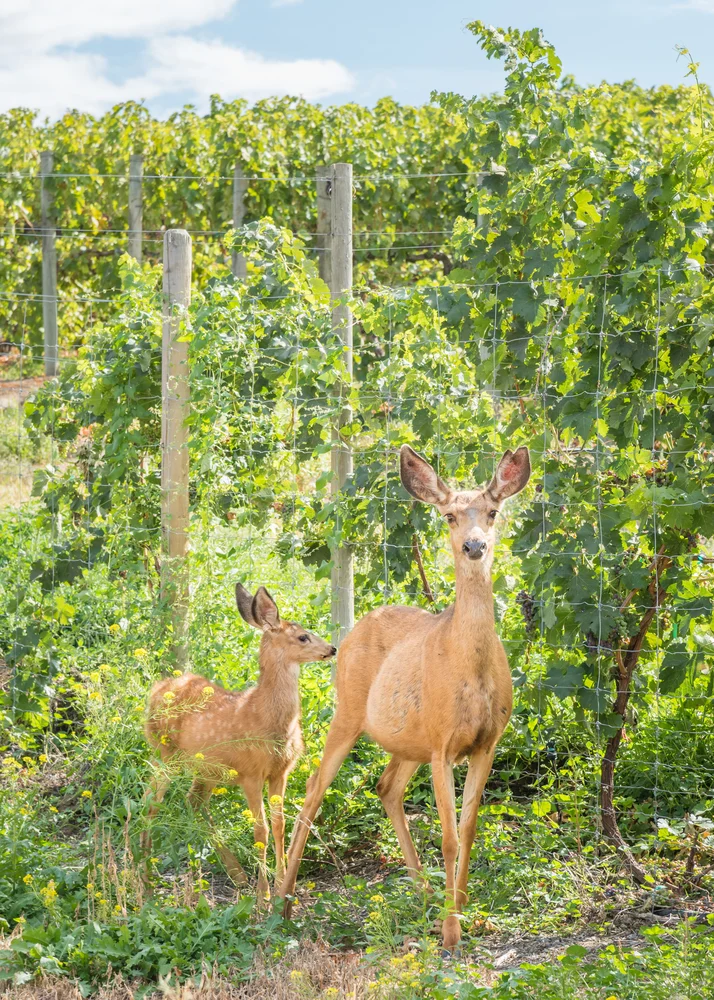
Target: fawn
{"points": [[428, 688], [244, 738]]}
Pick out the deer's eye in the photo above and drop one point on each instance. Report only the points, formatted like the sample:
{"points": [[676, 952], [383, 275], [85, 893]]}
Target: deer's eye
{"points": [[492, 514], [303, 638], [451, 519]]}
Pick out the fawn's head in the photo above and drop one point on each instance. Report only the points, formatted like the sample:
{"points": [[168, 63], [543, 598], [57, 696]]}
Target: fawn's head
{"points": [[294, 643], [471, 514]]}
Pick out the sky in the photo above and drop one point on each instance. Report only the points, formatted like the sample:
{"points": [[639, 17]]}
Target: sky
{"points": [[91, 54]]}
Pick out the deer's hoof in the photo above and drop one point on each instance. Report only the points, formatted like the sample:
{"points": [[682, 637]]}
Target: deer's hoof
{"points": [[451, 932]]}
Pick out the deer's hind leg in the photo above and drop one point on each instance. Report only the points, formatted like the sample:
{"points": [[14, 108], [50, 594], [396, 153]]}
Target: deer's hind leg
{"points": [[253, 788], [198, 797], [391, 787], [342, 736]]}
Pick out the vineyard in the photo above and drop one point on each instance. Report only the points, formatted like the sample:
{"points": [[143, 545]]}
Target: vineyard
{"points": [[532, 268]]}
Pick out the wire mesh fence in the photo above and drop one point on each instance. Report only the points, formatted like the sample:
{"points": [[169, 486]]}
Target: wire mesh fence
{"points": [[602, 579]]}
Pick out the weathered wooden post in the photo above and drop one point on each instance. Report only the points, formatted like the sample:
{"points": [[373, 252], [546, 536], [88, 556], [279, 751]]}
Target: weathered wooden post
{"points": [[174, 436], [49, 265], [341, 454], [323, 180], [240, 186], [136, 209]]}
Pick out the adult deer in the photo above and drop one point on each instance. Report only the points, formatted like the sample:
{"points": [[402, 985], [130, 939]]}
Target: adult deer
{"points": [[428, 688], [238, 737]]}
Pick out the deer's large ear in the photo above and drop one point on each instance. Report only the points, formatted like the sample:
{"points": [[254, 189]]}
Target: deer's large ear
{"points": [[244, 600], [265, 610], [512, 474], [419, 479]]}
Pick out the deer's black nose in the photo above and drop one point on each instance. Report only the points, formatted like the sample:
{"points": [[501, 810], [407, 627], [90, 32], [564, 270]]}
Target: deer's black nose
{"points": [[333, 650], [473, 548]]}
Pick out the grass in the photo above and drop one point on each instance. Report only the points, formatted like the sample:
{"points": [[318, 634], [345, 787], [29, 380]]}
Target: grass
{"points": [[550, 915]]}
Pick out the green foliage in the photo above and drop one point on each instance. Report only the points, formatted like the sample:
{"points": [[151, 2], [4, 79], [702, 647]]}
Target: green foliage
{"points": [[578, 320]]}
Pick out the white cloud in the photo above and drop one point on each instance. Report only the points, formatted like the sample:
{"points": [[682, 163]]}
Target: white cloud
{"points": [[180, 63], [39, 69]]}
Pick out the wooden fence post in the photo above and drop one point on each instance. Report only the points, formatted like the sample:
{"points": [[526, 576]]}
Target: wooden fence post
{"points": [[323, 180], [174, 436], [240, 186], [49, 265], [136, 212], [341, 454]]}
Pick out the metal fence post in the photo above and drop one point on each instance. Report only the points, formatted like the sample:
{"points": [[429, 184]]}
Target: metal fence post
{"points": [[174, 436], [136, 211], [341, 454], [240, 186], [49, 266]]}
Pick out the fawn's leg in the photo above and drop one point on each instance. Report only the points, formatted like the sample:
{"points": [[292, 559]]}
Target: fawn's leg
{"points": [[253, 788], [443, 778], [391, 787], [340, 740], [479, 770], [198, 797], [276, 788], [154, 795]]}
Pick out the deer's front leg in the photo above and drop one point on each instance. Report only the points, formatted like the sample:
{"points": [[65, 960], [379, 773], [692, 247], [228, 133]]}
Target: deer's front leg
{"points": [[276, 791], [443, 779], [479, 770]]}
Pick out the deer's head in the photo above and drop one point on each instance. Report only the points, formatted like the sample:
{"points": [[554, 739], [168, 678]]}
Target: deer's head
{"points": [[470, 514], [288, 639]]}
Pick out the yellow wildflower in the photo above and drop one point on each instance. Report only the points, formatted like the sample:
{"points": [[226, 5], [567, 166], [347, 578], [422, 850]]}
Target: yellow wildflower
{"points": [[178, 673], [232, 773], [28, 760], [90, 886], [95, 677], [316, 761], [169, 696], [208, 690], [276, 800], [259, 845], [86, 794], [43, 758], [54, 809], [296, 974], [27, 879], [116, 718], [164, 739], [330, 992], [248, 815], [114, 628], [95, 696], [140, 652], [377, 898], [199, 756], [48, 893], [117, 908], [220, 791]]}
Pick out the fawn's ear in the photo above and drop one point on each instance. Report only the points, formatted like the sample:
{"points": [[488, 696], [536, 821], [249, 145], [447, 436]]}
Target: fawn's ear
{"points": [[512, 474], [419, 479], [265, 610], [244, 600]]}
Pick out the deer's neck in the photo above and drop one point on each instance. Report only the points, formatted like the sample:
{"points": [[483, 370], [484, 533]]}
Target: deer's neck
{"points": [[473, 616], [278, 691]]}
